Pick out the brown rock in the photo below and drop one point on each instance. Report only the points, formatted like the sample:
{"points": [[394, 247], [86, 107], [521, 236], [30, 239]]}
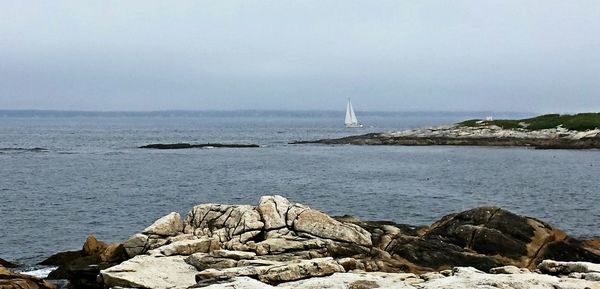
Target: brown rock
{"points": [[93, 247], [10, 280], [7, 264]]}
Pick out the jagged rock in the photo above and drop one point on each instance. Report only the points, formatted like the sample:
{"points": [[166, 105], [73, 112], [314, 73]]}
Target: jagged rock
{"points": [[275, 274], [273, 210], [187, 247], [321, 225], [555, 267], [235, 255], [280, 245], [93, 247], [11, 280], [203, 261], [235, 223], [150, 272], [136, 245], [113, 253], [169, 225], [300, 270]]}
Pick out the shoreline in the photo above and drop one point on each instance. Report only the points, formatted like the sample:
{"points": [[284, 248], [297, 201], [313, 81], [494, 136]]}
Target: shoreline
{"points": [[280, 244], [485, 135]]}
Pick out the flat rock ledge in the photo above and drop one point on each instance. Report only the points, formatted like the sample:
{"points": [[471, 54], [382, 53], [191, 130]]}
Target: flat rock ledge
{"points": [[280, 244], [486, 135], [173, 146]]}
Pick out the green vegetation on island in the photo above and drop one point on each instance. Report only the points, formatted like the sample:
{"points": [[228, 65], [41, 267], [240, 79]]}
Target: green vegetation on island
{"points": [[578, 122]]}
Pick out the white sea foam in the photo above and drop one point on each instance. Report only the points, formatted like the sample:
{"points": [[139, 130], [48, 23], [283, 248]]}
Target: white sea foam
{"points": [[40, 273]]}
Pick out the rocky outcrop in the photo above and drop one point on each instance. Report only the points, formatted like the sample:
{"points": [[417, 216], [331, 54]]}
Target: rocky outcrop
{"points": [[485, 135], [11, 280], [82, 267], [278, 241]]}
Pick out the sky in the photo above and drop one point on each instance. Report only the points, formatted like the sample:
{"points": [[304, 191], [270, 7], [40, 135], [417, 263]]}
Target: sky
{"points": [[505, 55]]}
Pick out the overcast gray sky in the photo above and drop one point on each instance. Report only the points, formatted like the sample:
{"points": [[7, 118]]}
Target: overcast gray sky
{"points": [[539, 56]]}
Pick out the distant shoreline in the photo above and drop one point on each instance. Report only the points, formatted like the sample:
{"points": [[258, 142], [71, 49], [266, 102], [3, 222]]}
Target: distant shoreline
{"points": [[246, 113], [584, 134]]}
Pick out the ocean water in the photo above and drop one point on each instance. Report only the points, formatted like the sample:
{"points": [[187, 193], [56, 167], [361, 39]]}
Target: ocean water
{"points": [[64, 178]]}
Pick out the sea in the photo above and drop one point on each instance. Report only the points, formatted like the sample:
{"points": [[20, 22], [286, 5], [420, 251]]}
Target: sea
{"points": [[65, 176]]}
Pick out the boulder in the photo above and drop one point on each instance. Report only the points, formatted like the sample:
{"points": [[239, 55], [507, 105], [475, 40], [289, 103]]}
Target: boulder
{"points": [[150, 272], [82, 267], [506, 237], [308, 222], [11, 280], [169, 225], [187, 247], [136, 244], [273, 210], [228, 223], [300, 270]]}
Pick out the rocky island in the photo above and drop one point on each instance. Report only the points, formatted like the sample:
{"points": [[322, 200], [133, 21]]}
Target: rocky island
{"points": [[281, 244], [174, 146], [553, 131]]}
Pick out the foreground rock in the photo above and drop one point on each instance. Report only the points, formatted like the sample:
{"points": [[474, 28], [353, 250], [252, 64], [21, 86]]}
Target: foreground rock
{"points": [[490, 135], [82, 267], [10, 280], [150, 272], [277, 242], [174, 146]]}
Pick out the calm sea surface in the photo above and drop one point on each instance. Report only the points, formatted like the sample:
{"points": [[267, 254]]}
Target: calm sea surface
{"points": [[90, 178]]}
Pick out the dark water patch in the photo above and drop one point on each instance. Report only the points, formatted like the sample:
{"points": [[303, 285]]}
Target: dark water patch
{"points": [[20, 149]]}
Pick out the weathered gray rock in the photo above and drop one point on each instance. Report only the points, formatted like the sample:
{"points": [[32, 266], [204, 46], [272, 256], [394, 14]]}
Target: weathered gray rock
{"points": [[228, 223], [135, 245], [235, 255], [187, 247], [556, 267], [275, 274], [470, 278], [300, 270], [281, 245], [321, 225], [203, 261], [169, 225], [150, 272], [273, 210]]}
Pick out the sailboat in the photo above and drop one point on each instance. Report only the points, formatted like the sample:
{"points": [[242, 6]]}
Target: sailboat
{"points": [[351, 120]]}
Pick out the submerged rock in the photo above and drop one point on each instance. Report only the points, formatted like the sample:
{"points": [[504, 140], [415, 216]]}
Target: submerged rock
{"points": [[189, 146]]}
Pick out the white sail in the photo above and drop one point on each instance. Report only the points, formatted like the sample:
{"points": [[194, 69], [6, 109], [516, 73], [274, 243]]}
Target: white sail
{"points": [[348, 120], [351, 120]]}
